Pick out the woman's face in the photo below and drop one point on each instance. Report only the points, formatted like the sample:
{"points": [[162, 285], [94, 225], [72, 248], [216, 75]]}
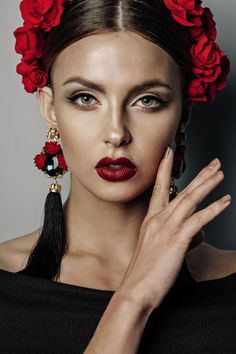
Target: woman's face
{"points": [[106, 116]]}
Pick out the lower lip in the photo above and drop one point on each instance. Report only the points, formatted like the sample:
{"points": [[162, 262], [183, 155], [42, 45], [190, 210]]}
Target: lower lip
{"points": [[116, 174]]}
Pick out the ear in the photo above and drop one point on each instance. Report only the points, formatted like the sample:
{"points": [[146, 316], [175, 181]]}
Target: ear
{"points": [[46, 104]]}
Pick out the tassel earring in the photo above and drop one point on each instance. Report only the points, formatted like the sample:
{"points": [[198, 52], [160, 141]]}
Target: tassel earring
{"points": [[45, 258], [179, 163]]}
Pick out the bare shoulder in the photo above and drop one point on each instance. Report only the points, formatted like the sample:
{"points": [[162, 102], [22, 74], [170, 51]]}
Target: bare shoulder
{"points": [[206, 262], [14, 252]]}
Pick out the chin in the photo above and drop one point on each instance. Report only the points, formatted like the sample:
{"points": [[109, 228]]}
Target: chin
{"points": [[119, 192]]}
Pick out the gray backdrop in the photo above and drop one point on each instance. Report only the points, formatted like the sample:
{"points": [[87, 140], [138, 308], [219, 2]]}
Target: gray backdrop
{"points": [[23, 188]]}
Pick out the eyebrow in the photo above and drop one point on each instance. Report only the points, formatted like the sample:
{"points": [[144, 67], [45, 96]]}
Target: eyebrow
{"points": [[146, 85]]}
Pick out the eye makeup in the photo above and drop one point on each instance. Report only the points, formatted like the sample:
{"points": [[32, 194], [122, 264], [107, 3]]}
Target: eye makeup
{"points": [[87, 107]]}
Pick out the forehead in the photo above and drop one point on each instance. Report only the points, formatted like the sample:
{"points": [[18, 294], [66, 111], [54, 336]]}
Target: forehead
{"points": [[120, 56]]}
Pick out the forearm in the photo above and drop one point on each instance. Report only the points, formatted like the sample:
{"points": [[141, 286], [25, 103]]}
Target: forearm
{"points": [[120, 328]]}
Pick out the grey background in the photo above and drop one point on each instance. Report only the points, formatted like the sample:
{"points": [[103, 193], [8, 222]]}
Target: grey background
{"points": [[23, 188]]}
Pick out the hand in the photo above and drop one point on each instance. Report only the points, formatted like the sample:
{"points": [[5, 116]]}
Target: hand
{"points": [[166, 233]]}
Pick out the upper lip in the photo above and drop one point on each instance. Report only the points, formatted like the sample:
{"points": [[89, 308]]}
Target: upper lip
{"points": [[120, 161]]}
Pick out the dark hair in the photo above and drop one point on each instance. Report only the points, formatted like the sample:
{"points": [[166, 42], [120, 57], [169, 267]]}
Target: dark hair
{"points": [[148, 18]]}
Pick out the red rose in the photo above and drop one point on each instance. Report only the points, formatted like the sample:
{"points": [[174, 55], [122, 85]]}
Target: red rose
{"points": [[197, 90], [185, 12], [24, 67], [206, 58], [43, 14], [218, 85], [32, 76], [211, 92], [62, 162], [52, 147], [222, 78], [202, 91], [209, 75], [208, 26], [29, 43], [36, 78], [39, 161]]}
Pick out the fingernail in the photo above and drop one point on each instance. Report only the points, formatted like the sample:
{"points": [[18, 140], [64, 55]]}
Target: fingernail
{"points": [[213, 163], [167, 152], [226, 198]]}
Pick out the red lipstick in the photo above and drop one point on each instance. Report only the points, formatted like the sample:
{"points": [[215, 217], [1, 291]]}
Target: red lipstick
{"points": [[125, 169]]}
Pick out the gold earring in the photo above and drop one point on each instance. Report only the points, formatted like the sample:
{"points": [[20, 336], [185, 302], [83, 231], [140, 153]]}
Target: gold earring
{"points": [[51, 160]]}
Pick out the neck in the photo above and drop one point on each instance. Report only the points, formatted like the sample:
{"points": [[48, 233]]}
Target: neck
{"points": [[103, 228]]}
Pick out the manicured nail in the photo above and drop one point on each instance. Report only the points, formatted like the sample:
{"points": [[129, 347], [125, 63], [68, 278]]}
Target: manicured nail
{"points": [[226, 198], [213, 163], [167, 152]]}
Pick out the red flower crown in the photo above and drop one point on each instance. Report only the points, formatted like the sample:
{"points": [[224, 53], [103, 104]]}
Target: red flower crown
{"points": [[210, 65]]}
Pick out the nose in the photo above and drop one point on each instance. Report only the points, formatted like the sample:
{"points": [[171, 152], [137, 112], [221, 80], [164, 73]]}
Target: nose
{"points": [[117, 132]]}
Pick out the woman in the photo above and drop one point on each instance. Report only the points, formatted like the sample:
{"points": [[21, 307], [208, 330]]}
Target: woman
{"points": [[123, 266]]}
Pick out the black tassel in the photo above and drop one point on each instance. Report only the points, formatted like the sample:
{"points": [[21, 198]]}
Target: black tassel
{"points": [[45, 258]]}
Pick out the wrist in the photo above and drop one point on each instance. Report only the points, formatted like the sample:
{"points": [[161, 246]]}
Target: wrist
{"points": [[131, 299]]}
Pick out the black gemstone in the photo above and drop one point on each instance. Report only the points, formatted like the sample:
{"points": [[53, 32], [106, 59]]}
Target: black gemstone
{"points": [[51, 165]]}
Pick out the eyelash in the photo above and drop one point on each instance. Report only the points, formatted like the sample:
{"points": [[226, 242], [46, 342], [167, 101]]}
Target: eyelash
{"points": [[74, 98]]}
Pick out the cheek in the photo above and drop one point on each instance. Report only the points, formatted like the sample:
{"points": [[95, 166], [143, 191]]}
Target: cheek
{"points": [[75, 134], [152, 142], [153, 138], [75, 143], [149, 153]]}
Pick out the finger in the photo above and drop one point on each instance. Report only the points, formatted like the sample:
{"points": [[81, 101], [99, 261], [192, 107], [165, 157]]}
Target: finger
{"points": [[189, 202], [207, 172], [161, 189], [195, 223]]}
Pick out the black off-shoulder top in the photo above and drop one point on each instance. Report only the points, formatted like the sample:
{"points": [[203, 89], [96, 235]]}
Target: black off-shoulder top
{"points": [[45, 316]]}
